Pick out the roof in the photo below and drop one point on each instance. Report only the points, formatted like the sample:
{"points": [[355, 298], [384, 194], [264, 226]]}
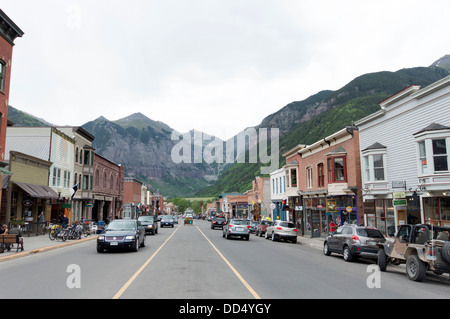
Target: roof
{"points": [[433, 127]]}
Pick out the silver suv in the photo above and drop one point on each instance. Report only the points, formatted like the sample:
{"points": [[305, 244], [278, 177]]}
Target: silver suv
{"points": [[280, 229], [236, 227], [352, 241]]}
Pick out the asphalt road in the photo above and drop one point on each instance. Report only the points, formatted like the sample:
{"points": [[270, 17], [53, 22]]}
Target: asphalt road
{"points": [[195, 262]]}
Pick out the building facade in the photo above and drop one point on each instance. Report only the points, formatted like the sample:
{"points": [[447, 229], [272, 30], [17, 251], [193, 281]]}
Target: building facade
{"points": [[49, 144], [330, 182], [405, 158], [108, 189]]}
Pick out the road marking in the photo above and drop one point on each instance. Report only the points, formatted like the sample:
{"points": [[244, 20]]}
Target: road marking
{"points": [[130, 281], [253, 292]]}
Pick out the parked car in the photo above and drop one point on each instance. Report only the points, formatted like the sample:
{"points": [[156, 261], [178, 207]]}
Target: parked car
{"points": [[420, 247], [217, 222], [262, 227], [236, 227], [122, 234], [352, 241], [167, 220], [175, 219], [149, 223], [280, 229], [253, 225]]}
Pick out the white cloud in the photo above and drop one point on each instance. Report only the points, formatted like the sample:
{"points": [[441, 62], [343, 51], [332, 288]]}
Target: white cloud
{"points": [[217, 66]]}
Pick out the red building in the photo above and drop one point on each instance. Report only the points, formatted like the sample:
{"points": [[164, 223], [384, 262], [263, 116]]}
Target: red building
{"points": [[108, 189], [9, 31]]}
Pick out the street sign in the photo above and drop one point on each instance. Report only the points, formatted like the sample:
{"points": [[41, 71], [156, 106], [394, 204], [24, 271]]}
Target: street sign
{"points": [[399, 202]]}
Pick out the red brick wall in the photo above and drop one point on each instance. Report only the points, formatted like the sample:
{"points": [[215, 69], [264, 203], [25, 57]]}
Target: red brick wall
{"points": [[6, 56]]}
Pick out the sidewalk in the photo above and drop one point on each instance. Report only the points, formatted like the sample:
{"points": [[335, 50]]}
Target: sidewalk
{"points": [[36, 244]]}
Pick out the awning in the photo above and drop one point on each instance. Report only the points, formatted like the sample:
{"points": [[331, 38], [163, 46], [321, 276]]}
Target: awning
{"points": [[38, 191]]}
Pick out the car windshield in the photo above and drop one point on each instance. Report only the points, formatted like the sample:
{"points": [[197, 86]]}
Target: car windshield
{"points": [[122, 225], [167, 217], [368, 232], [146, 219]]}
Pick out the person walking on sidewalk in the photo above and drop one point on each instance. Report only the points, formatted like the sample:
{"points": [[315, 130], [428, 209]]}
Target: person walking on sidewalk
{"points": [[41, 220]]}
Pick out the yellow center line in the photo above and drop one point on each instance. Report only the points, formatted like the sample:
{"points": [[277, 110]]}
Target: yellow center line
{"points": [[130, 281], [253, 292]]}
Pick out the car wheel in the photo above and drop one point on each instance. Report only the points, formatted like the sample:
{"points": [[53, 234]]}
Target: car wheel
{"points": [[100, 249], [445, 252], [136, 245], [347, 254], [415, 268], [294, 241], [143, 242], [326, 249], [382, 259], [273, 237]]}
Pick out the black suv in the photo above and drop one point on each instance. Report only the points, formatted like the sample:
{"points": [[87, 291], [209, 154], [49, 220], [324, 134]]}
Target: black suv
{"points": [[149, 223], [217, 222]]}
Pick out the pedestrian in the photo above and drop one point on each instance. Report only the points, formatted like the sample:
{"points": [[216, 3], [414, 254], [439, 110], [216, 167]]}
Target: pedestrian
{"points": [[332, 227], [41, 221]]}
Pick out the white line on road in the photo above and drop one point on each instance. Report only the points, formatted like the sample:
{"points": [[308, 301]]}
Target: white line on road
{"points": [[130, 281], [253, 292]]}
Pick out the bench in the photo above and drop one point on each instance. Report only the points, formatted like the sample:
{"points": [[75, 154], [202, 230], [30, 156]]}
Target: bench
{"points": [[7, 240]]}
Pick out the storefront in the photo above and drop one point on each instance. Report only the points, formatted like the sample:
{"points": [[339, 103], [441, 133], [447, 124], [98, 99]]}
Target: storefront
{"points": [[315, 217], [436, 210]]}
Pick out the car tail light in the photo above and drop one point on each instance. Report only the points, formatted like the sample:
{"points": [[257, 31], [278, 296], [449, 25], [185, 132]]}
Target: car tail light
{"points": [[355, 238], [230, 225], [279, 228], [295, 229], [214, 222], [248, 226]]}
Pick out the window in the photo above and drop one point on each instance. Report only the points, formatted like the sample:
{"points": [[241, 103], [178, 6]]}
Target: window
{"points": [[320, 175], [422, 157], [56, 176], [440, 155], [309, 178], [378, 167], [293, 177], [336, 169], [2, 75]]}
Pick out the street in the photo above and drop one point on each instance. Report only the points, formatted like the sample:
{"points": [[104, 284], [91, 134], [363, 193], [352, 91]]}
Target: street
{"points": [[196, 262]]}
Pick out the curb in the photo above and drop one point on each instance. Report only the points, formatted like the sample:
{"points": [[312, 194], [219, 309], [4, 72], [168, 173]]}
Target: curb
{"points": [[43, 249]]}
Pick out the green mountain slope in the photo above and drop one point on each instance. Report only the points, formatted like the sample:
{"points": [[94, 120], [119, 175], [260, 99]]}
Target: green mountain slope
{"points": [[322, 114]]}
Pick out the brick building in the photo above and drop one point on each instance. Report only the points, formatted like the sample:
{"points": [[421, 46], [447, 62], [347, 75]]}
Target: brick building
{"points": [[330, 182], [108, 189], [9, 31]]}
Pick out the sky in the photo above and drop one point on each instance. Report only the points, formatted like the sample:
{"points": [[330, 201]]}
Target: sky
{"points": [[217, 66]]}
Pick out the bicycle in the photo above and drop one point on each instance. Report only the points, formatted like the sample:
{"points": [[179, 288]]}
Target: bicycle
{"points": [[55, 229]]}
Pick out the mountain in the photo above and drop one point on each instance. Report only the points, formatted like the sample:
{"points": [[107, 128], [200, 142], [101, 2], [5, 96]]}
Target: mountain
{"points": [[144, 147], [320, 115], [443, 62]]}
